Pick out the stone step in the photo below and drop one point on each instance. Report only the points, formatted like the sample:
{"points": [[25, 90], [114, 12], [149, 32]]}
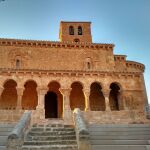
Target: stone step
{"points": [[108, 129], [123, 133], [52, 125], [3, 139], [6, 129], [57, 142], [120, 125], [51, 133], [50, 147], [2, 147], [119, 147], [41, 129], [7, 125], [120, 137], [4, 133], [119, 142], [52, 137]]}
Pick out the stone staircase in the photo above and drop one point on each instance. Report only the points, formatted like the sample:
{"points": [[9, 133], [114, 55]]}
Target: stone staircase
{"points": [[5, 129], [50, 137], [119, 137]]}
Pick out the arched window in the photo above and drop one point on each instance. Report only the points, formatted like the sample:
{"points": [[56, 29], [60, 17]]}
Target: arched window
{"points": [[79, 30], [71, 30], [17, 63], [88, 65]]}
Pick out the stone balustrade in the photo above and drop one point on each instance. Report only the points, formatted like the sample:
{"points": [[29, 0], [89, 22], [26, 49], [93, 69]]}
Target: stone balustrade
{"points": [[82, 132], [16, 137]]}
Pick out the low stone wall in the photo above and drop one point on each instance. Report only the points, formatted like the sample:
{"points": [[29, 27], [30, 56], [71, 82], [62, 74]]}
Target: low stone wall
{"points": [[10, 115], [82, 133], [16, 137], [115, 117]]}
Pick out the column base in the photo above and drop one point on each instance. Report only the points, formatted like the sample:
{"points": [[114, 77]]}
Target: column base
{"points": [[87, 109], [67, 116]]}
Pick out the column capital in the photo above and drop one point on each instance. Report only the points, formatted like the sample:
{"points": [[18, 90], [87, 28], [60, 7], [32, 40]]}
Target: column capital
{"points": [[65, 91], [121, 91], [106, 92], [42, 91], [86, 91], [20, 91]]}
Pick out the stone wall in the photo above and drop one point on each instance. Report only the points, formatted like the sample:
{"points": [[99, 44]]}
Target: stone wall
{"points": [[10, 115]]}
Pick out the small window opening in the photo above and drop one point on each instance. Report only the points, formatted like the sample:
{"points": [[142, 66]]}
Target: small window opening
{"points": [[17, 63], [79, 30], [88, 65], [76, 40], [71, 30]]}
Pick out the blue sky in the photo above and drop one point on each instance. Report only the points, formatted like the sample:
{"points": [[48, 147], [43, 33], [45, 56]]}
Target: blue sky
{"points": [[126, 23]]}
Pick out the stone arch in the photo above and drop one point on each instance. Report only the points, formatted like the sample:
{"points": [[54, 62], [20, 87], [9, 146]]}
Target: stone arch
{"points": [[7, 80], [77, 98], [9, 95], [54, 87], [118, 84], [30, 96], [96, 98], [114, 96], [79, 82]]}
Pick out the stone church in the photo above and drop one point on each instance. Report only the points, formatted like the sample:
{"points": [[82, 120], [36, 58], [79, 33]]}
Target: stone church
{"points": [[52, 78], [71, 94]]}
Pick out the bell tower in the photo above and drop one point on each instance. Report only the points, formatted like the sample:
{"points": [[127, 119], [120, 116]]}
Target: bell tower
{"points": [[75, 32]]}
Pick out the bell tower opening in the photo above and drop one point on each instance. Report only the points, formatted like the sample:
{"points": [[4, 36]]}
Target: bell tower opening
{"points": [[70, 31]]}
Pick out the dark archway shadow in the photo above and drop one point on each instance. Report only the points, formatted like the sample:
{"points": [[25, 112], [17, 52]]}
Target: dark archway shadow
{"points": [[51, 105]]}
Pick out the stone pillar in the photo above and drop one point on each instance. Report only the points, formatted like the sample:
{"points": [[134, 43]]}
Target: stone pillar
{"points": [[20, 94], [124, 99], [87, 102], [120, 100], [67, 113], [1, 90], [41, 97], [39, 114], [106, 95]]}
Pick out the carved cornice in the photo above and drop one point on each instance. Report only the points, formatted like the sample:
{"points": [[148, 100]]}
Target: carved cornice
{"points": [[136, 65], [54, 44], [75, 73], [120, 57]]}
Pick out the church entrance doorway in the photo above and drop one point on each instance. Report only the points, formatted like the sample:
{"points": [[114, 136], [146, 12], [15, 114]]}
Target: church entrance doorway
{"points": [[51, 106]]}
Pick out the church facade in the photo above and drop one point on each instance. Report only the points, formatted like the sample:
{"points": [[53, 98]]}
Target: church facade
{"points": [[53, 78]]}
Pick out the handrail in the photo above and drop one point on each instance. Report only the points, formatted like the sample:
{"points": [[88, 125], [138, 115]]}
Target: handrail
{"points": [[16, 137], [82, 132]]}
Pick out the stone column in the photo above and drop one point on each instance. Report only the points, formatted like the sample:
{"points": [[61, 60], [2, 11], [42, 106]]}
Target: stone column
{"points": [[39, 114], [67, 113], [1, 90], [106, 95], [41, 97], [123, 95], [20, 94], [87, 102]]}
